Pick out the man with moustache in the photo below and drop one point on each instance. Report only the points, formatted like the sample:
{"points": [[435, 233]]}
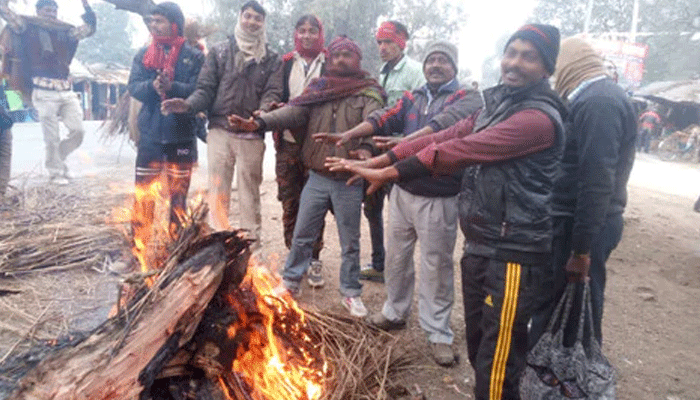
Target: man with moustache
{"points": [[340, 99], [423, 209], [239, 76], [511, 148]]}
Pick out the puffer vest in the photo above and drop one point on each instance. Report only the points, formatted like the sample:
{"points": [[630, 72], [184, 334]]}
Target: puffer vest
{"points": [[505, 207]]}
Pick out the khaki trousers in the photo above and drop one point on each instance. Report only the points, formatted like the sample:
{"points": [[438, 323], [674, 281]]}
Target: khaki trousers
{"points": [[225, 152], [54, 106]]}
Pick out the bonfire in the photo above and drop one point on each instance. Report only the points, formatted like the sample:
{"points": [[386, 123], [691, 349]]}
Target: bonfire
{"points": [[199, 318]]}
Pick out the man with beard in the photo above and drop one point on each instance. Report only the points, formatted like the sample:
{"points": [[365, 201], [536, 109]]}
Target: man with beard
{"points": [[167, 68], [340, 99], [239, 76], [591, 192], [512, 148], [44, 49], [423, 209]]}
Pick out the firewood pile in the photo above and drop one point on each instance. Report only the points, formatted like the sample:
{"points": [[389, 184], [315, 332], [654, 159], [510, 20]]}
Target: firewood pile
{"points": [[210, 323]]}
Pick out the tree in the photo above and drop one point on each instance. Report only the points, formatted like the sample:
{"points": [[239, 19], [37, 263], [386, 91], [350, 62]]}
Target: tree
{"points": [[666, 26], [111, 43]]}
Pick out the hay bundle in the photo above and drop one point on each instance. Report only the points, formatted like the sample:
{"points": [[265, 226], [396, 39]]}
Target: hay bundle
{"points": [[57, 228]]}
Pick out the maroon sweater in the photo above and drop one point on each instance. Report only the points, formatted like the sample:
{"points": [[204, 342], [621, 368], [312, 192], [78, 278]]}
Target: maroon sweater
{"points": [[525, 132]]}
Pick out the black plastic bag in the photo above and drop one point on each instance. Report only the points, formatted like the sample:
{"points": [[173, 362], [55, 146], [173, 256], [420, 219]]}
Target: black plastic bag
{"points": [[580, 371]]}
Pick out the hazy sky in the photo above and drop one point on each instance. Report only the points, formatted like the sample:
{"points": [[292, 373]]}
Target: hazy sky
{"points": [[488, 20]]}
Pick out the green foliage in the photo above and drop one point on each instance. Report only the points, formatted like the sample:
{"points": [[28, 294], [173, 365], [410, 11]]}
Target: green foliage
{"points": [[111, 43]]}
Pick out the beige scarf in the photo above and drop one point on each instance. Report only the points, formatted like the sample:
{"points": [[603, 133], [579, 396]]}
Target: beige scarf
{"points": [[251, 45], [577, 62]]}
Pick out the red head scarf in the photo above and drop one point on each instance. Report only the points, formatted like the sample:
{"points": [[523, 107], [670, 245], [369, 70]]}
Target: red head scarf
{"points": [[155, 58], [317, 47], [387, 30]]}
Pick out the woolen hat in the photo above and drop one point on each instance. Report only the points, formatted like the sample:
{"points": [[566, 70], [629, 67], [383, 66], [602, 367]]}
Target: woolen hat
{"points": [[44, 3], [546, 40], [443, 46], [173, 13]]}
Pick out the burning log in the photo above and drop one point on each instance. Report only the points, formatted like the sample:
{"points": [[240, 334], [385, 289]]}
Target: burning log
{"points": [[211, 324]]}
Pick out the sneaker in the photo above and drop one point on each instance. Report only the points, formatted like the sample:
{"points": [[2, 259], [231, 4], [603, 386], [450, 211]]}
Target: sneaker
{"points": [[355, 306], [315, 276], [379, 321], [370, 274], [59, 180], [293, 288], [443, 354]]}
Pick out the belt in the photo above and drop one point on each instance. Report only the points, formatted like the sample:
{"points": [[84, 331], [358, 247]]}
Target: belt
{"points": [[51, 84]]}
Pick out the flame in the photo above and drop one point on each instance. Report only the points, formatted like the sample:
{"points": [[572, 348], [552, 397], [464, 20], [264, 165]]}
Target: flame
{"points": [[149, 217], [274, 368]]}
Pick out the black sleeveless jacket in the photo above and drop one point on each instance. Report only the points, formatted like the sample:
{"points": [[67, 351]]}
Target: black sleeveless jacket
{"points": [[505, 207]]}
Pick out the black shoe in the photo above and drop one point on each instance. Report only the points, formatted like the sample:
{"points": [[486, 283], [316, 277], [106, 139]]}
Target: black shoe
{"points": [[371, 274], [379, 321]]}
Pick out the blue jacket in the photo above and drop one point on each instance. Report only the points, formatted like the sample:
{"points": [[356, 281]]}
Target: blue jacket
{"points": [[154, 126]]}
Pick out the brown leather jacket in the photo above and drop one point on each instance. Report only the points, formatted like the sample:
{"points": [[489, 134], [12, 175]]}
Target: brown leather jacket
{"points": [[223, 90], [333, 116]]}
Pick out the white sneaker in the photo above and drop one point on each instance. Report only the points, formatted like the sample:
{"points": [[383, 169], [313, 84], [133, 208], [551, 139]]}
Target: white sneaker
{"points": [[355, 306], [315, 276], [59, 180]]}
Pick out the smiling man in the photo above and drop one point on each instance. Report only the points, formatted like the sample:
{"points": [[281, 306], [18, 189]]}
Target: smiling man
{"points": [[422, 209], [239, 76], [511, 148]]}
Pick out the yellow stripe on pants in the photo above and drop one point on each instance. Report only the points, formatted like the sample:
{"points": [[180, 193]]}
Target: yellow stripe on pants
{"points": [[505, 331]]}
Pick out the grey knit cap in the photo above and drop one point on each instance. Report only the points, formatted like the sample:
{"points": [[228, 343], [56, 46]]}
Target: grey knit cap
{"points": [[445, 47]]}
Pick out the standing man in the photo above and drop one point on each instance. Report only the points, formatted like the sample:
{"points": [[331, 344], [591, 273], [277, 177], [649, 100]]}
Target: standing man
{"points": [[239, 76], [167, 68], [512, 147], [47, 48], [591, 192], [650, 124], [423, 209], [340, 99], [397, 75]]}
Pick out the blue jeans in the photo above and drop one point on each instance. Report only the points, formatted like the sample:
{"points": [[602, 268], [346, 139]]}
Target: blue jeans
{"points": [[319, 195], [373, 208]]}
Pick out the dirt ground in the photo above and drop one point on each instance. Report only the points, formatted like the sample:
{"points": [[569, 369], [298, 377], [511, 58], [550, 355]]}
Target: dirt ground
{"points": [[651, 324]]}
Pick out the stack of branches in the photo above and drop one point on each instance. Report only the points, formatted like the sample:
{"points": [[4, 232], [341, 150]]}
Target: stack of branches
{"points": [[58, 228], [366, 363], [119, 122]]}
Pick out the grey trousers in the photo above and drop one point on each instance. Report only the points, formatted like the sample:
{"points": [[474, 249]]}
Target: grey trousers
{"points": [[432, 221], [54, 106], [5, 159]]}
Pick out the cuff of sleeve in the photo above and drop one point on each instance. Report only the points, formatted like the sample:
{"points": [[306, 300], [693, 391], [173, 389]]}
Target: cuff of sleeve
{"points": [[262, 123], [411, 168], [581, 244], [434, 125], [392, 157]]}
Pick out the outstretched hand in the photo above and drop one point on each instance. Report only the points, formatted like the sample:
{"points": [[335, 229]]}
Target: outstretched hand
{"points": [[241, 124], [375, 177], [338, 138], [386, 142], [176, 105]]}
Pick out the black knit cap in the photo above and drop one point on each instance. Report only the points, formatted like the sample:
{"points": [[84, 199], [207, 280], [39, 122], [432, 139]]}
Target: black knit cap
{"points": [[172, 12], [44, 3], [546, 40]]}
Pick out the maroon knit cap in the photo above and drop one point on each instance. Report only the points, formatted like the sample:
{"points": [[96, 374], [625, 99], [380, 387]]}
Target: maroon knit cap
{"points": [[343, 42]]}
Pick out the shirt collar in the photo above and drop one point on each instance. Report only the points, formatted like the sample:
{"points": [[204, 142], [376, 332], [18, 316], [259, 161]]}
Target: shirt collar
{"points": [[583, 85]]}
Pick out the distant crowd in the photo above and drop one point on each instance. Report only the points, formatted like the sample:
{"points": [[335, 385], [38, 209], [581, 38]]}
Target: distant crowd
{"points": [[534, 175]]}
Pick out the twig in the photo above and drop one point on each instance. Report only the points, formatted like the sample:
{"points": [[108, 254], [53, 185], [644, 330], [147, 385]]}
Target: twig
{"points": [[29, 333]]}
